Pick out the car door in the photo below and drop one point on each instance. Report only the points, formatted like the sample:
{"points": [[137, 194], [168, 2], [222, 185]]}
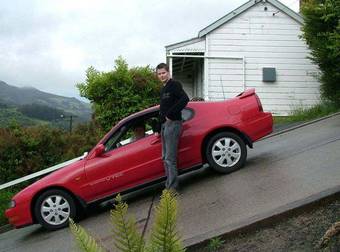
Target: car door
{"points": [[125, 167], [189, 149]]}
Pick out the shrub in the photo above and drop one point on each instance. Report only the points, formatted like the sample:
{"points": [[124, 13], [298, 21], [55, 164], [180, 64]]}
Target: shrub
{"points": [[5, 197], [321, 30], [120, 92], [27, 150]]}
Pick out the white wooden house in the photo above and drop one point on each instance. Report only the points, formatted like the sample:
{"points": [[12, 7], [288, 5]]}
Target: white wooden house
{"points": [[258, 45]]}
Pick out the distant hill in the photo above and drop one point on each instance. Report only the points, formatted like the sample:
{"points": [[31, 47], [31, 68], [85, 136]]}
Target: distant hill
{"points": [[11, 96], [8, 115]]}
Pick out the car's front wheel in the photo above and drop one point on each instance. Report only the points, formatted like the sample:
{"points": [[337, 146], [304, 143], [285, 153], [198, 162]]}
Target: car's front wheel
{"points": [[226, 152], [53, 209]]}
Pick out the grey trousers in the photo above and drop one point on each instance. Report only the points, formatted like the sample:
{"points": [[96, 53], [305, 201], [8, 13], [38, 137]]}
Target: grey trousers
{"points": [[170, 133]]}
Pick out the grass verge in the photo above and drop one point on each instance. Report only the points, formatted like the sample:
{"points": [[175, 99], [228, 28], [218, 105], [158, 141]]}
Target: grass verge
{"points": [[303, 115]]}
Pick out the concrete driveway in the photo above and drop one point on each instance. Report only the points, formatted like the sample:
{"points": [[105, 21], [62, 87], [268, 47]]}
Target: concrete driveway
{"points": [[282, 172]]}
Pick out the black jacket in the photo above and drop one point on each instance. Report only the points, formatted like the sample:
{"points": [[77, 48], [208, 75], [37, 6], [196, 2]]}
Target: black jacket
{"points": [[173, 100]]}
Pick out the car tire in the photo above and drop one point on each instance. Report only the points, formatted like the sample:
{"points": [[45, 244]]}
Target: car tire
{"points": [[53, 209], [226, 152]]}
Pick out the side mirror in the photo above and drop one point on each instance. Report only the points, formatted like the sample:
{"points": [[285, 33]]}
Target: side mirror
{"points": [[85, 155], [99, 150]]}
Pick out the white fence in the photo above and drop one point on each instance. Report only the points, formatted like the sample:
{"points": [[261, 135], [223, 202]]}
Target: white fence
{"points": [[39, 173]]}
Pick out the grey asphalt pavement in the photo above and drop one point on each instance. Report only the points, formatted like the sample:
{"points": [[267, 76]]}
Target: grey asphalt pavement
{"points": [[281, 171]]}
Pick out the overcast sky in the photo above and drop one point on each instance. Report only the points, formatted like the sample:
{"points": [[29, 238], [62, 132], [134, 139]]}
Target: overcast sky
{"points": [[49, 44]]}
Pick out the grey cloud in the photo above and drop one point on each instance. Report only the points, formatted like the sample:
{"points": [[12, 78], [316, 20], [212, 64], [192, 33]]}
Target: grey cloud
{"points": [[50, 44]]}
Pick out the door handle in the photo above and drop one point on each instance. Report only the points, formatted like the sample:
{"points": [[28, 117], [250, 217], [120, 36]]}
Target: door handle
{"points": [[157, 140], [185, 127]]}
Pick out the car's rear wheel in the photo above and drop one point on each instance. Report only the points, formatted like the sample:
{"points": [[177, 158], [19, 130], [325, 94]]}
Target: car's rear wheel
{"points": [[53, 209], [226, 152]]}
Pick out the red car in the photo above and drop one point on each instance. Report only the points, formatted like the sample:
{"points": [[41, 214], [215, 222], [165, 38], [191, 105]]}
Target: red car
{"points": [[216, 133]]}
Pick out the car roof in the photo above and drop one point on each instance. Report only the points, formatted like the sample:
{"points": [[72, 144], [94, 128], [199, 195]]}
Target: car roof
{"points": [[127, 119], [138, 114]]}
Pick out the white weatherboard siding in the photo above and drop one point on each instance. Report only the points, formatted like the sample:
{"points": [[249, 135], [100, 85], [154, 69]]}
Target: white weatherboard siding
{"points": [[265, 41], [186, 79], [225, 78]]}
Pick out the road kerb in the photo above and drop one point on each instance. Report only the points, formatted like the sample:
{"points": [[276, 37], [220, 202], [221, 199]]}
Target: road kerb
{"points": [[266, 218]]}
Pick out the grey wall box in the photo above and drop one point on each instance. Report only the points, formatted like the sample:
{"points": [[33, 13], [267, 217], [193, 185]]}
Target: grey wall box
{"points": [[268, 74]]}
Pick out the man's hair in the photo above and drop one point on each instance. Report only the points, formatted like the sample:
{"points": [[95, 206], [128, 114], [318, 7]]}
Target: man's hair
{"points": [[161, 66], [139, 124], [197, 99]]}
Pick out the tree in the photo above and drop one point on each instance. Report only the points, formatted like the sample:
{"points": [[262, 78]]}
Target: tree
{"points": [[321, 30], [120, 92]]}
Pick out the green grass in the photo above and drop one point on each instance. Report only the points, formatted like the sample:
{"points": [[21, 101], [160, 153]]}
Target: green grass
{"points": [[302, 115], [215, 244], [5, 197]]}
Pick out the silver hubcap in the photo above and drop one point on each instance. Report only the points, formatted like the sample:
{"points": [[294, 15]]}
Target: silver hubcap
{"points": [[55, 210], [226, 152]]}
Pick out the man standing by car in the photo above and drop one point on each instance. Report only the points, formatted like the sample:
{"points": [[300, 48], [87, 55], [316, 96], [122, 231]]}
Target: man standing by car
{"points": [[172, 100]]}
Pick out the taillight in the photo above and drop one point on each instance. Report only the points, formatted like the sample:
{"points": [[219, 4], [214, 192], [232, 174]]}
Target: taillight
{"points": [[259, 103]]}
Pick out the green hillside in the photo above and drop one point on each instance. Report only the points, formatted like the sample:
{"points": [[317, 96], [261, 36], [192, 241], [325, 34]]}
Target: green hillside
{"points": [[10, 115], [18, 97]]}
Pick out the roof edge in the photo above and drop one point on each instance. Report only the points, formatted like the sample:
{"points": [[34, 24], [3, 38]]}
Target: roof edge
{"points": [[183, 43], [245, 7], [227, 17], [296, 16]]}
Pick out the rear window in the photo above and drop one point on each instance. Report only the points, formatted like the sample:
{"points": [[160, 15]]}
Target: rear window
{"points": [[187, 114]]}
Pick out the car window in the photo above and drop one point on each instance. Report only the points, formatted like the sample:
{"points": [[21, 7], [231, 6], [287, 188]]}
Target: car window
{"points": [[187, 114], [111, 142], [132, 131], [131, 136]]}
